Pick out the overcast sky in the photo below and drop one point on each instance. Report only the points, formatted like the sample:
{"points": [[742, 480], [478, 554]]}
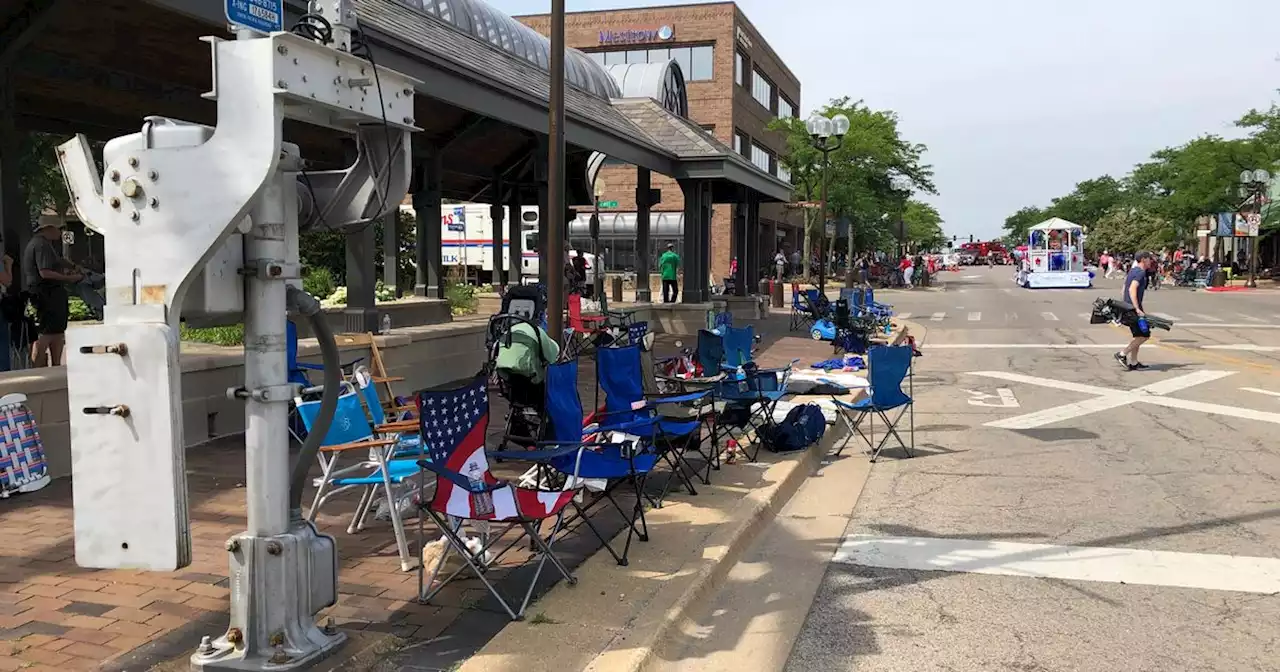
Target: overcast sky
{"points": [[1018, 100]]}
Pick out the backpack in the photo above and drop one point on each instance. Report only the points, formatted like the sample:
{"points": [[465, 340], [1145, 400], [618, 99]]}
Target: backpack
{"points": [[803, 427]]}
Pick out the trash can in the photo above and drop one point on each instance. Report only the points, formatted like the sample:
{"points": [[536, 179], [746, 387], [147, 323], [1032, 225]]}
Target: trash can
{"points": [[1219, 278], [776, 296], [617, 289]]}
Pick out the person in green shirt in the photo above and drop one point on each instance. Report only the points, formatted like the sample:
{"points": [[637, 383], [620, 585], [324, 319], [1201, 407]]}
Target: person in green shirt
{"points": [[669, 264]]}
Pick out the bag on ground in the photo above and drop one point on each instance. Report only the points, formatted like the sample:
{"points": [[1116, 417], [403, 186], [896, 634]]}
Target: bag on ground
{"points": [[803, 427]]}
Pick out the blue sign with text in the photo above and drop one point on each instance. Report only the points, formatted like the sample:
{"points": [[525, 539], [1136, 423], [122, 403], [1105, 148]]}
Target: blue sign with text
{"points": [[264, 16]]}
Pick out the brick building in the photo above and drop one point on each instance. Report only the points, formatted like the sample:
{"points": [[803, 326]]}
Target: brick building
{"points": [[736, 84]]}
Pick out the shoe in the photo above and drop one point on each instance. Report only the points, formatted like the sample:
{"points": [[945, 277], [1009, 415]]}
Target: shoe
{"points": [[1121, 358], [1139, 367]]}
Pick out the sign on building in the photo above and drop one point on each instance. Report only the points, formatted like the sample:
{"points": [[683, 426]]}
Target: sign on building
{"points": [[637, 35]]}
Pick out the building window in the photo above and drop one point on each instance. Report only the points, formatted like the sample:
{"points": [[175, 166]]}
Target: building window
{"points": [[740, 142], [739, 65], [762, 89], [710, 128], [696, 63], [760, 157], [785, 108], [783, 173]]}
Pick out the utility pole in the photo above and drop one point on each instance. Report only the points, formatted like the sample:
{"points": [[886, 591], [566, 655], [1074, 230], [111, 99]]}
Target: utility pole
{"points": [[555, 179]]}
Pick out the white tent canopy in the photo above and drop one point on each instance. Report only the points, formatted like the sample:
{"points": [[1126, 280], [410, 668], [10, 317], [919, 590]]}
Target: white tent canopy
{"points": [[1056, 224]]}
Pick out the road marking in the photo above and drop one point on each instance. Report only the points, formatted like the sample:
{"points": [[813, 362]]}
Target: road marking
{"points": [[1166, 316], [1049, 316], [1003, 398], [904, 316], [1244, 347], [937, 317], [969, 277], [1267, 392], [974, 317], [1028, 346], [1108, 398], [1073, 563], [1006, 290], [1084, 315], [1222, 325], [1206, 318], [1250, 318]]}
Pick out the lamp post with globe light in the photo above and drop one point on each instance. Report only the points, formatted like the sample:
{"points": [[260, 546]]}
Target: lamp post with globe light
{"points": [[826, 134], [1254, 185]]}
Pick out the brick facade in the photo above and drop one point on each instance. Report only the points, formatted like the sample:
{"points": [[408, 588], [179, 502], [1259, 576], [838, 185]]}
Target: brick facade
{"points": [[718, 104]]}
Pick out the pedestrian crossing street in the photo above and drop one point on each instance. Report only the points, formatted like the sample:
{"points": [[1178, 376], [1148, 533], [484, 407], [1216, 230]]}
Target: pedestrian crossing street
{"points": [[1049, 318]]}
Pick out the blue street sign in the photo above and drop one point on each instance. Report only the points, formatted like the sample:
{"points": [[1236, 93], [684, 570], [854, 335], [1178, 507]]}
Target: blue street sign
{"points": [[264, 16]]}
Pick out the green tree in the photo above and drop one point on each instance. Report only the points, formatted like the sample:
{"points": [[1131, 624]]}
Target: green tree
{"points": [[1017, 224], [924, 226], [40, 176], [861, 175]]}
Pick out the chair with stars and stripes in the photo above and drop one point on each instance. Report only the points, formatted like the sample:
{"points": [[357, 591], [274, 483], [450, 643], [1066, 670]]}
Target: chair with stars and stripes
{"points": [[453, 425]]}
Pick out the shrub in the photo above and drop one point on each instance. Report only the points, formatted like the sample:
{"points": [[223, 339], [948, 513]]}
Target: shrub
{"points": [[461, 296], [77, 311], [226, 336], [319, 282]]}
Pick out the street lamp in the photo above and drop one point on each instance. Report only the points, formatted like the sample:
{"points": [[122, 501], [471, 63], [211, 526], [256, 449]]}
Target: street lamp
{"points": [[1254, 185], [826, 134]]}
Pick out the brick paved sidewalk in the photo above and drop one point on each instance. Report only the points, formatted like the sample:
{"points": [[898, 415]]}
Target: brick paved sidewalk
{"points": [[55, 615]]}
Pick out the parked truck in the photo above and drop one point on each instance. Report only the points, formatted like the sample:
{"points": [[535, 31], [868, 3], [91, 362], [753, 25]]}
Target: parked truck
{"points": [[466, 235]]}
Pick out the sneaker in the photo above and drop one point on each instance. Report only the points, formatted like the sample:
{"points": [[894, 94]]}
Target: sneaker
{"points": [[1121, 358], [1139, 366]]}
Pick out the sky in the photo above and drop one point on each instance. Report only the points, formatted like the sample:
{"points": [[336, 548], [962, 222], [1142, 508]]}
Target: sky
{"points": [[1018, 100]]}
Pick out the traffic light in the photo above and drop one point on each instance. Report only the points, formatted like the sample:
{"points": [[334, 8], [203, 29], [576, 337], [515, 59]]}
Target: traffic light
{"points": [[953, 238], [971, 237]]}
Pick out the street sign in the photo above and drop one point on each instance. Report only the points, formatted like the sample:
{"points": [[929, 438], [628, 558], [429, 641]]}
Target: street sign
{"points": [[69, 237], [1254, 224], [264, 16], [608, 204], [810, 205]]}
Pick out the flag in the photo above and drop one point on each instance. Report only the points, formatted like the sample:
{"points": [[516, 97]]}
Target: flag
{"points": [[453, 425]]}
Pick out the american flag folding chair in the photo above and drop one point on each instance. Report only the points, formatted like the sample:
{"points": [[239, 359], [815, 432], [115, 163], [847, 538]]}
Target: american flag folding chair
{"points": [[453, 428]]}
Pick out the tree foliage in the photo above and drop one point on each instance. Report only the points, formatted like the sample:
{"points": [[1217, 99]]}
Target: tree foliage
{"points": [[872, 174], [1157, 203], [924, 226], [39, 175]]}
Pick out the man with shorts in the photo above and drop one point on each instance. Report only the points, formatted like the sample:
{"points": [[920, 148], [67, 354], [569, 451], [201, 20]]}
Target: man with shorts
{"points": [[1135, 286], [46, 276]]}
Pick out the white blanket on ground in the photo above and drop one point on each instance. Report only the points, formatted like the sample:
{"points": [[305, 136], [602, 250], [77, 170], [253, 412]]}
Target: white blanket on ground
{"points": [[849, 379]]}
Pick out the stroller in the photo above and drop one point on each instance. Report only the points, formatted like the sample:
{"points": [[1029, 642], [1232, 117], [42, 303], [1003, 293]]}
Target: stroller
{"points": [[525, 306]]}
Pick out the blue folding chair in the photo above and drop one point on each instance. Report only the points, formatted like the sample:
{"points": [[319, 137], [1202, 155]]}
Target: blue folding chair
{"points": [[749, 403], [350, 431], [887, 368], [620, 376], [739, 346], [617, 464], [802, 315]]}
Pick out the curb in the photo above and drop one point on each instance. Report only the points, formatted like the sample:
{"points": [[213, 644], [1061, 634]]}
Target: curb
{"points": [[761, 506]]}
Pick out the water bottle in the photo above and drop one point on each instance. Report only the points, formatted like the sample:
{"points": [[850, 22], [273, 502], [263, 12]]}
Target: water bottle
{"points": [[386, 323], [742, 379]]}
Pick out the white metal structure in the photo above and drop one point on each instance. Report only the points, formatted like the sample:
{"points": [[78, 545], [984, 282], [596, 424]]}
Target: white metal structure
{"points": [[216, 211], [1054, 257]]}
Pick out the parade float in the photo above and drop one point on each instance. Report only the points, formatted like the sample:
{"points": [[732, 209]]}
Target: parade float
{"points": [[1054, 257]]}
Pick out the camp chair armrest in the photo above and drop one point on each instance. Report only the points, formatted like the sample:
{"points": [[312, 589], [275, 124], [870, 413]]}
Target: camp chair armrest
{"points": [[682, 398], [406, 426], [460, 480], [359, 445], [641, 423], [545, 452]]}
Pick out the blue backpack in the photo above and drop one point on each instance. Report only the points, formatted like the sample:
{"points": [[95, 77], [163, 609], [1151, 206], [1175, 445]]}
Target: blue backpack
{"points": [[803, 427]]}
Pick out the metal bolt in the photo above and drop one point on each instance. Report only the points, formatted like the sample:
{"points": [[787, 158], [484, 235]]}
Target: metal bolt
{"points": [[408, 120], [282, 85], [153, 176], [274, 548], [115, 202], [362, 69], [279, 657], [133, 162], [282, 49], [206, 644], [233, 545], [304, 78], [155, 202], [135, 216], [408, 91], [115, 176], [277, 639], [329, 627], [235, 636]]}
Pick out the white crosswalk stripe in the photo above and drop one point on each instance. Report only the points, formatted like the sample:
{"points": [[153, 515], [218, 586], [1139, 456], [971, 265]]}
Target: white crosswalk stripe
{"points": [[904, 316], [937, 317], [1166, 316], [974, 317], [1250, 318], [1049, 316], [1206, 318]]}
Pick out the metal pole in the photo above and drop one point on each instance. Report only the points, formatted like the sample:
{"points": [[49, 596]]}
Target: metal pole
{"points": [[555, 178], [822, 232], [1253, 242], [266, 420]]}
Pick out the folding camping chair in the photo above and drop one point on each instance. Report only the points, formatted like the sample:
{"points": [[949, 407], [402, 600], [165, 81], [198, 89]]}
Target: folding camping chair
{"points": [[617, 464], [887, 367], [453, 425], [583, 334], [350, 431], [749, 404], [703, 410], [739, 346], [802, 315], [620, 376]]}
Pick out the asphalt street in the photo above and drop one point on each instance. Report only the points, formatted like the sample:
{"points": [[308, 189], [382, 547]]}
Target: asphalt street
{"points": [[1061, 512]]}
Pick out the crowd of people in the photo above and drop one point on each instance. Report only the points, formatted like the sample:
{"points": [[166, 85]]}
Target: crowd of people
{"points": [[1178, 266]]}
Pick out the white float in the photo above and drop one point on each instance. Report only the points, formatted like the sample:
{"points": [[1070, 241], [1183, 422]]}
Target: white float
{"points": [[1054, 257]]}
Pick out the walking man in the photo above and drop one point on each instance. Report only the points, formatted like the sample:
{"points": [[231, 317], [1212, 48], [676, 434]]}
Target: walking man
{"points": [[1135, 286], [669, 264]]}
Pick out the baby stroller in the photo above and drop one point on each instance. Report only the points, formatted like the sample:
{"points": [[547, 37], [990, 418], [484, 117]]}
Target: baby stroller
{"points": [[525, 306]]}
